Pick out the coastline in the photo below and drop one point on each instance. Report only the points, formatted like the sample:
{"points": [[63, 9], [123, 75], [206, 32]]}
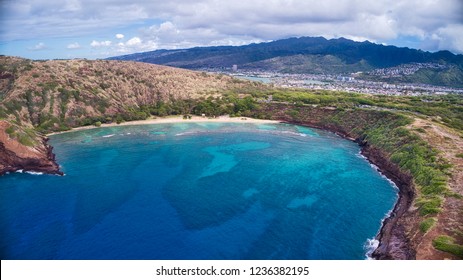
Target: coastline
{"points": [[16, 155], [393, 243], [173, 119]]}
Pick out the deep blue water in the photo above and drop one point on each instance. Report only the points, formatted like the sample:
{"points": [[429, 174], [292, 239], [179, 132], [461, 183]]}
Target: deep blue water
{"points": [[196, 191]]}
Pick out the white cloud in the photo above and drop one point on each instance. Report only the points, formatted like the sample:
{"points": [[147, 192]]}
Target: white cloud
{"points": [[169, 36], [97, 44], [73, 46], [186, 23], [40, 46], [133, 42], [136, 44], [229, 23], [450, 38]]}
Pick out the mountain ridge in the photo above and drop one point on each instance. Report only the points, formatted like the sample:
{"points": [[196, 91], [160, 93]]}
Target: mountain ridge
{"points": [[308, 45], [310, 55]]}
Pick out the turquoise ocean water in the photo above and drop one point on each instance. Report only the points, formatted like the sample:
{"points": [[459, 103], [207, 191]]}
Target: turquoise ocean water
{"points": [[196, 191]]}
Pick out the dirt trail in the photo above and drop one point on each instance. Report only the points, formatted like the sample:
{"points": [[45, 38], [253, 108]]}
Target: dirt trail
{"points": [[450, 220]]}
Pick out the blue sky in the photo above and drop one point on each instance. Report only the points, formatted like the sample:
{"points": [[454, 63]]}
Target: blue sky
{"points": [[45, 29]]}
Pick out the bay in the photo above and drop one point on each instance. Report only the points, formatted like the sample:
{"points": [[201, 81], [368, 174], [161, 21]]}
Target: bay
{"points": [[196, 191]]}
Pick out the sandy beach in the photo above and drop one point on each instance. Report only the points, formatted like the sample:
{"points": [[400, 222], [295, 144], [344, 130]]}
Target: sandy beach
{"points": [[174, 119]]}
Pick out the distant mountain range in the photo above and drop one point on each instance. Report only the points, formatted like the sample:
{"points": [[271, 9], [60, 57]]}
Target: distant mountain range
{"points": [[316, 55]]}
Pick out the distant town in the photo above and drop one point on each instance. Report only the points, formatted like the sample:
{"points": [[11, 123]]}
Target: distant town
{"points": [[347, 82]]}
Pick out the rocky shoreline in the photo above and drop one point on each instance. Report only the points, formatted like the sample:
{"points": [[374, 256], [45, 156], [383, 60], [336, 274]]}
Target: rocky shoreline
{"points": [[11, 162], [394, 243], [15, 156]]}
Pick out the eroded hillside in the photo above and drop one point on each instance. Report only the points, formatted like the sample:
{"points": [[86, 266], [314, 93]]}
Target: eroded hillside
{"points": [[59, 94]]}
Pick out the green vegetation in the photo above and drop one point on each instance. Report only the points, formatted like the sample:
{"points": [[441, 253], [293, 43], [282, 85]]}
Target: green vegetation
{"points": [[3, 114], [25, 136], [10, 131], [229, 104], [102, 105], [459, 155], [429, 205], [447, 244], [427, 224], [48, 86], [447, 109], [26, 140]]}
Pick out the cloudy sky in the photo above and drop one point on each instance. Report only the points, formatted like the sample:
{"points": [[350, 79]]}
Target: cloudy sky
{"points": [[43, 29]]}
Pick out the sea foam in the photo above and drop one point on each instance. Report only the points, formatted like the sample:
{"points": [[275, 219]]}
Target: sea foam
{"points": [[34, 173], [370, 246]]}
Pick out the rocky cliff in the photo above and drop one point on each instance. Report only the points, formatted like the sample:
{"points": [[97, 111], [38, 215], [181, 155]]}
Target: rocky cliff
{"points": [[27, 151]]}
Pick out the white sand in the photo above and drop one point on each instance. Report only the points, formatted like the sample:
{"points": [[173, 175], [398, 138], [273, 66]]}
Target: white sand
{"points": [[176, 119]]}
